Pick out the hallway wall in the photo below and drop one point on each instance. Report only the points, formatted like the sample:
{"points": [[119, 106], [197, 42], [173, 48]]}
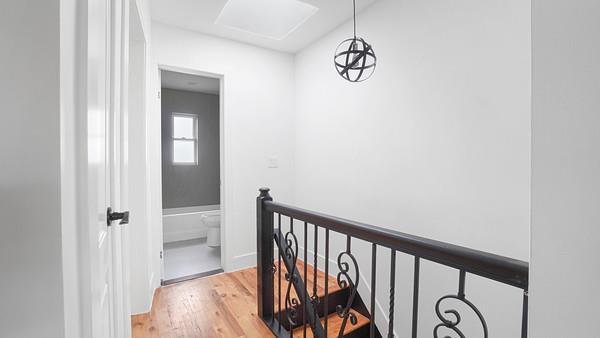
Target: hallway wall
{"points": [[30, 168], [191, 185], [565, 229], [435, 144]]}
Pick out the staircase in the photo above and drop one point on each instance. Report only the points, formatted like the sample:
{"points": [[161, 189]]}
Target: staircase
{"points": [[329, 318], [299, 300]]}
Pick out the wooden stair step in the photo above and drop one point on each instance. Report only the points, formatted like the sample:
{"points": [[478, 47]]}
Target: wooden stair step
{"points": [[332, 282], [334, 323]]}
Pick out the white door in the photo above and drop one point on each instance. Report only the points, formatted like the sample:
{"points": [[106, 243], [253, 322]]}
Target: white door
{"points": [[119, 233], [106, 293]]}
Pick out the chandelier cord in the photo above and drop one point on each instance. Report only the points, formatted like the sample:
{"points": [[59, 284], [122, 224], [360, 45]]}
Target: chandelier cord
{"points": [[354, 5]]}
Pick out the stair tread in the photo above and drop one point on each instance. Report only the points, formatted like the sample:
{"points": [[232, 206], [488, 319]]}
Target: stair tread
{"points": [[334, 323], [332, 283]]}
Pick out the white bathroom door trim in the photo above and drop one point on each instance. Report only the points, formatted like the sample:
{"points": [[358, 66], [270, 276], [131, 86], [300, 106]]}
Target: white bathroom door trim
{"points": [[222, 153]]}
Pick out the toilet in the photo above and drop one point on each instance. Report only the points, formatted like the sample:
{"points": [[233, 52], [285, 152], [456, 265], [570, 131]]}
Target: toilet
{"points": [[213, 225]]}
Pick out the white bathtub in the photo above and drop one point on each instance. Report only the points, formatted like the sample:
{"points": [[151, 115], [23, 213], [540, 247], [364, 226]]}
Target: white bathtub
{"points": [[180, 224]]}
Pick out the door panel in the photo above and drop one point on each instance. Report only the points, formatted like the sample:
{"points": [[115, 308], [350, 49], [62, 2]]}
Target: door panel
{"points": [[105, 297], [98, 164]]}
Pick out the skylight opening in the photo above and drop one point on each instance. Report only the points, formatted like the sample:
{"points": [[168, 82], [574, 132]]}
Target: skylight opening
{"points": [[273, 19]]}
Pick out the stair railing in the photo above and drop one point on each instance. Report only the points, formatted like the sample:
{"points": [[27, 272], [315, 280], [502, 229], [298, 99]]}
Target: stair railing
{"points": [[307, 307]]}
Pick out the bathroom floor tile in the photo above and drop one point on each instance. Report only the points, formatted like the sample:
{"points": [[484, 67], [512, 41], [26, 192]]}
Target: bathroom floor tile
{"points": [[190, 257]]}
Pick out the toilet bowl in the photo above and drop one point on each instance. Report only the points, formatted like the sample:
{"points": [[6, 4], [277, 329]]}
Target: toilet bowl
{"points": [[213, 225]]}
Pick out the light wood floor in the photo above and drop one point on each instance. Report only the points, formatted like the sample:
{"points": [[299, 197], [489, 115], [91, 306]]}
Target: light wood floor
{"points": [[223, 305]]}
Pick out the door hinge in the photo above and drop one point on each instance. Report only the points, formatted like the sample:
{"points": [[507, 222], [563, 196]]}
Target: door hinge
{"points": [[159, 94], [161, 254]]}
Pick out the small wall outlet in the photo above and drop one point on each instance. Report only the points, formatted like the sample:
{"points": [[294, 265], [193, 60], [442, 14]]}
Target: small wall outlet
{"points": [[272, 162]]}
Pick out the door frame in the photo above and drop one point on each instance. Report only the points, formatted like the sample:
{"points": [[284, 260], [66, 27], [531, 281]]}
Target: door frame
{"points": [[222, 153], [142, 227]]}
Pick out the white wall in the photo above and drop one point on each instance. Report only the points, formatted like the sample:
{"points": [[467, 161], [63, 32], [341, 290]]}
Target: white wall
{"points": [[435, 144], [30, 171], [565, 228], [258, 108]]}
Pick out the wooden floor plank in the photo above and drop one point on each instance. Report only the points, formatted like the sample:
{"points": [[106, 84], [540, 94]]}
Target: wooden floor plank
{"points": [[222, 305]]}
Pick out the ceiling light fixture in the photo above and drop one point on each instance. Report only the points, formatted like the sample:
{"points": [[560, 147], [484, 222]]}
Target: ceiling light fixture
{"points": [[354, 58], [273, 19]]}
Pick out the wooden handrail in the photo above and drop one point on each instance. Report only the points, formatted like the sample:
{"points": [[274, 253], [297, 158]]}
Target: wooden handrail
{"points": [[499, 268]]}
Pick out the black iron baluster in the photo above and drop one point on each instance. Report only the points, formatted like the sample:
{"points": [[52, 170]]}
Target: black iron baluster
{"points": [[279, 276], [415, 298], [452, 323], [305, 280], [344, 280], [273, 277], [373, 284], [461, 284], [291, 276], [315, 297], [392, 291], [289, 246], [525, 313], [326, 304]]}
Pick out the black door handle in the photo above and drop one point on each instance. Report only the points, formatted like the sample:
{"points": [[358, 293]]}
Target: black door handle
{"points": [[113, 216]]}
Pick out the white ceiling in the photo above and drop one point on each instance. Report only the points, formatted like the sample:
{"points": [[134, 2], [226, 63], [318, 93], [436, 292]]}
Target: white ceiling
{"points": [[200, 16], [192, 83]]}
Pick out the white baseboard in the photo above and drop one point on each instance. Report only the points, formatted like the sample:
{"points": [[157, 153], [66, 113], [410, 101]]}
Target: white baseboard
{"points": [[243, 261], [182, 235]]}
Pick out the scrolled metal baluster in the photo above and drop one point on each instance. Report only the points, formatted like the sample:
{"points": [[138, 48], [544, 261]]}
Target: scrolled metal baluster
{"points": [[373, 288], [524, 314], [291, 253], [304, 314], [326, 298], [314, 299], [392, 293], [278, 274], [452, 323], [344, 280]]}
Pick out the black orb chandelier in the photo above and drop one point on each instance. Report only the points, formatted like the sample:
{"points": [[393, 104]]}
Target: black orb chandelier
{"points": [[354, 58]]}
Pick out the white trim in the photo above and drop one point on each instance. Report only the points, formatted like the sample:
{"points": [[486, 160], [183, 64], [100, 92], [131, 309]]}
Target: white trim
{"points": [[243, 261], [70, 78], [151, 282]]}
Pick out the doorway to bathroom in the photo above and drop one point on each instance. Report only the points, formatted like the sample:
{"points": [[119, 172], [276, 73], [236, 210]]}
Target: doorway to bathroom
{"points": [[191, 174]]}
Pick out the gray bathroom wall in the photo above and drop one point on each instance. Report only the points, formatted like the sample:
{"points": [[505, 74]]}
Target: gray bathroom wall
{"points": [[191, 185]]}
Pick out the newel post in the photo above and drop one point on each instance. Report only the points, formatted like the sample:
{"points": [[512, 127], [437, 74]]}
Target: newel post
{"points": [[264, 255]]}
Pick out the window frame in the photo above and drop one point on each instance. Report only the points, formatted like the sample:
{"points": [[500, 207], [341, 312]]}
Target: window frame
{"points": [[194, 139]]}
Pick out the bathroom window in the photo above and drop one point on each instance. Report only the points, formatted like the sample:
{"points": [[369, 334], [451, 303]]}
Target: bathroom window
{"points": [[185, 139]]}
